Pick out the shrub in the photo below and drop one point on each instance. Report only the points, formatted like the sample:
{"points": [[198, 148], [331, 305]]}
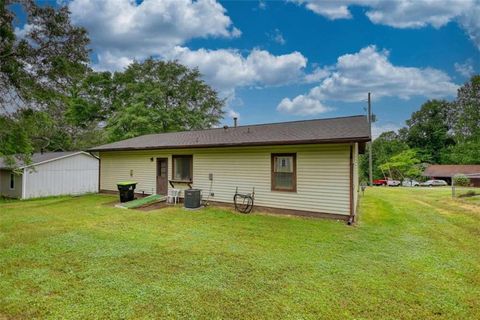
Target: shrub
{"points": [[461, 180], [469, 193]]}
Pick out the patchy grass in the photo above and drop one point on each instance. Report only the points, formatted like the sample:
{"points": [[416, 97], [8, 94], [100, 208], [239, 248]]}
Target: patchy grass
{"points": [[414, 255]]}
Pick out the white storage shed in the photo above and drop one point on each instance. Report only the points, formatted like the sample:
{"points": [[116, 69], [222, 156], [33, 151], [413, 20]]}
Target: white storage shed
{"points": [[51, 174]]}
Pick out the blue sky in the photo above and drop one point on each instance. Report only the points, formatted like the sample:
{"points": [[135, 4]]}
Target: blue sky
{"points": [[299, 59]]}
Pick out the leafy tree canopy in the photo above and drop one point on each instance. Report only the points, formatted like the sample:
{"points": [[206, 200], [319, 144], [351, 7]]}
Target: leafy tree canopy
{"points": [[440, 132], [465, 112], [403, 165], [156, 96], [384, 147], [428, 130], [51, 100], [37, 69]]}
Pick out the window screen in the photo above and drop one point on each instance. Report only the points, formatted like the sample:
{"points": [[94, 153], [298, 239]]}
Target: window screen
{"points": [[182, 168], [284, 172]]}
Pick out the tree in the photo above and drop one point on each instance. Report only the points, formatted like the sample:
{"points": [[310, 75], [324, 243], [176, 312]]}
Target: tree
{"points": [[384, 147], [465, 112], [403, 165], [464, 152], [91, 100], [37, 69], [156, 96], [464, 117], [44, 59], [428, 130], [12, 139]]}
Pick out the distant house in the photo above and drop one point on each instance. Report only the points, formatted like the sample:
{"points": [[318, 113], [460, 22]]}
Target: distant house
{"points": [[50, 174], [447, 171], [303, 167]]}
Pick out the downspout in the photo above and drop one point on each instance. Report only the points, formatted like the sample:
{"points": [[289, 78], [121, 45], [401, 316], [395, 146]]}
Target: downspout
{"points": [[99, 167], [99, 172], [351, 220]]}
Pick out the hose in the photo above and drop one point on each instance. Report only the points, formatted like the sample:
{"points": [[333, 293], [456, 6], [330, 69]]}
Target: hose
{"points": [[244, 202]]}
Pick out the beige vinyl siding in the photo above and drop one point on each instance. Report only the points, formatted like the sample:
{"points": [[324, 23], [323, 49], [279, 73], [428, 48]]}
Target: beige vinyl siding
{"points": [[323, 176], [5, 190], [137, 166]]}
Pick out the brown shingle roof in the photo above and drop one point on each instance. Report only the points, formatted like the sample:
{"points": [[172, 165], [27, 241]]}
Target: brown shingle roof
{"points": [[334, 130], [449, 170]]}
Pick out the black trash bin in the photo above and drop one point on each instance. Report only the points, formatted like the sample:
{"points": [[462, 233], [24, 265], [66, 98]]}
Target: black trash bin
{"points": [[126, 190]]}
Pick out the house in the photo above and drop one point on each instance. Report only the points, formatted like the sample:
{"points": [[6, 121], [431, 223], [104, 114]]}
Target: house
{"points": [[50, 174], [447, 171], [305, 167]]}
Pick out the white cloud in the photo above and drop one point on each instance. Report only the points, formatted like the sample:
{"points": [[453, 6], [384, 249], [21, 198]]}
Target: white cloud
{"points": [[471, 23], [370, 70], [23, 31], [317, 75], [377, 130], [277, 37], [329, 9], [108, 61], [416, 14], [465, 69], [232, 114], [226, 69], [406, 14], [124, 28], [302, 105]]}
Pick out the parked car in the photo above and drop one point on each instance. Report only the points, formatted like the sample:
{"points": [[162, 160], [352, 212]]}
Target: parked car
{"points": [[393, 183], [380, 182], [433, 183], [410, 183]]}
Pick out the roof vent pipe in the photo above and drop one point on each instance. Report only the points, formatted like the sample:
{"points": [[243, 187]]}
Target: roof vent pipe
{"points": [[234, 122]]}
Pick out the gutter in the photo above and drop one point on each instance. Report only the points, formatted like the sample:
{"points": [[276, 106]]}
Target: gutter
{"points": [[244, 144]]}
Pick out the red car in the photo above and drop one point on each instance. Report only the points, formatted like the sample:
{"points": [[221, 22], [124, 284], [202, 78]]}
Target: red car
{"points": [[380, 182]]}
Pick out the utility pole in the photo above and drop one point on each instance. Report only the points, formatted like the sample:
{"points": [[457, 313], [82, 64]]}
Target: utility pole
{"points": [[370, 174]]}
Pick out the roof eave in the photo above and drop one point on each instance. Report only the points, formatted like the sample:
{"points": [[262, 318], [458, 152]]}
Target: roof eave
{"points": [[243, 144]]}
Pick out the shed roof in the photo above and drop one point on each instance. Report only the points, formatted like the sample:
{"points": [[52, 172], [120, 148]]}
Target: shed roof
{"points": [[333, 130], [449, 170], [38, 158]]}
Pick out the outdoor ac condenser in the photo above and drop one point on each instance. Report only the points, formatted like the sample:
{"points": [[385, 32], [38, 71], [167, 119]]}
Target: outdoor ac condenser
{"points": [[192, 198]]}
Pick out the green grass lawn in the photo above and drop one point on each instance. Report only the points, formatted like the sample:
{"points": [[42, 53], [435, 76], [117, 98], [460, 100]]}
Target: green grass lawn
{"points": [[415, 254]]}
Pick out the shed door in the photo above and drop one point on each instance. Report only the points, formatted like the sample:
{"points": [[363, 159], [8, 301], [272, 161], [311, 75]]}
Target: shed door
{"points": [[162, 176]]}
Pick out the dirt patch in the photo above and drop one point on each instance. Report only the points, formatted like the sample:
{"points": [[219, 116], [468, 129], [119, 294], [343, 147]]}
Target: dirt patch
{"points": [[459, 203], [469, 207], [110, 203]]}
